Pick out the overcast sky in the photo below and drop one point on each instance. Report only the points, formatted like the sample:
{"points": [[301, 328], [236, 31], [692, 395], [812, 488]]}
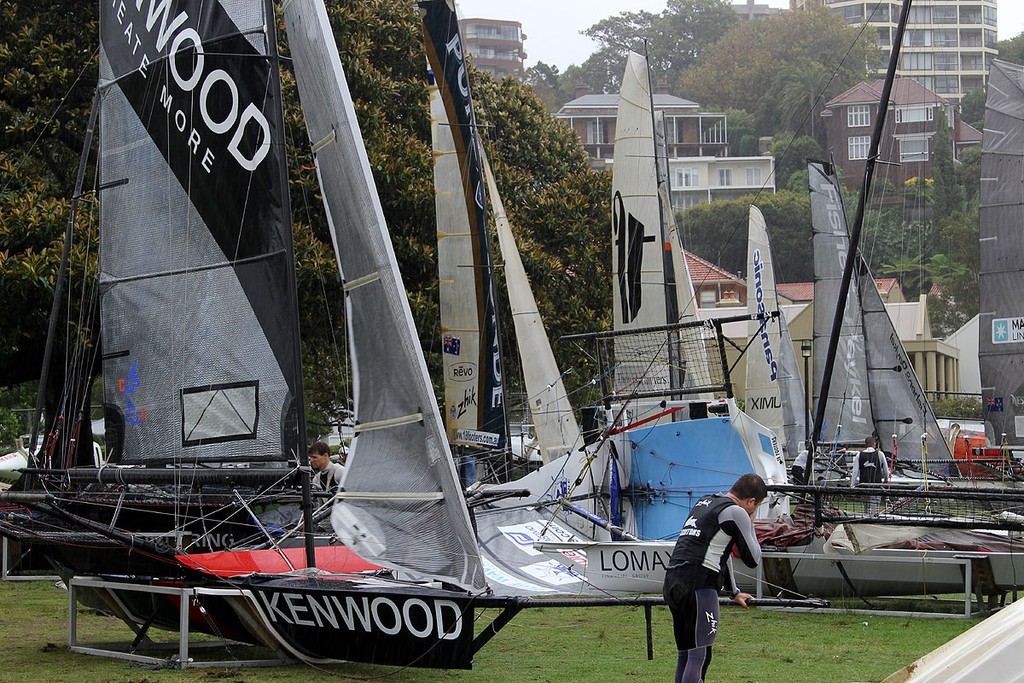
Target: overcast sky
{"points": [[552, 27]]}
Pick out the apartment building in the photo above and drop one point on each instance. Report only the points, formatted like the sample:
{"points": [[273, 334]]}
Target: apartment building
{"points": [[700, 167], [948, 45], [496, 46]]}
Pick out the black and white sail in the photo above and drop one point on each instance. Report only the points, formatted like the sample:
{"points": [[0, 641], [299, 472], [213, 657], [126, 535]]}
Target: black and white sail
{"points": [[848, 403], [1001, 319], [198, 314], [474, 393]]}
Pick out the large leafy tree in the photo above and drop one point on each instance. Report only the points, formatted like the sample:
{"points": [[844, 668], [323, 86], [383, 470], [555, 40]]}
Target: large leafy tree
{"points": [[795, 51], [673, 39]]}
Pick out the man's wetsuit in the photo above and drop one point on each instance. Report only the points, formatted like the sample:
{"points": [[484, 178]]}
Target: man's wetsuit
{"points": [[698, 569]]}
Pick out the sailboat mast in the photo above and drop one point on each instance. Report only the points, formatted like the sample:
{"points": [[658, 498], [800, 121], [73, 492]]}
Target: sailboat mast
{"points": [[869, 169]]}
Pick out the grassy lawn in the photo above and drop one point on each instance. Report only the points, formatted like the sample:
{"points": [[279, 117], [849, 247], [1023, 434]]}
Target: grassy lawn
{"points": [[575, 645]]}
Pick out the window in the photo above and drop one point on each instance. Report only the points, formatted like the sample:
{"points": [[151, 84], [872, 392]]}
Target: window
{"points": [[970, 38], [686, 201], [971, 83], [990, 15], [917, 37], [990, 38], [926, 81], [972, 61], [724, 177], [853, 14], [945, 61], [945, 37], [687, 177], [920, 15], [916, 113], [944, 14], [708, 298], [921, 61], [884, 37], [878, 13], [947, 85], [595, 132], [970, 15], [858, 147], [914, 149], [754, 177], [858, 115]]}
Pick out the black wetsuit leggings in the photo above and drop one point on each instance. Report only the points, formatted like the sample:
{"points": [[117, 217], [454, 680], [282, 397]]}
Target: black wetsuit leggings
{"points": [[694, 607]]}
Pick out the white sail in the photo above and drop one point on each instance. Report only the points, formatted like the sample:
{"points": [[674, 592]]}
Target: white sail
{"points": [[774, 392], [553, 419], [638, 268], [402, 506]]}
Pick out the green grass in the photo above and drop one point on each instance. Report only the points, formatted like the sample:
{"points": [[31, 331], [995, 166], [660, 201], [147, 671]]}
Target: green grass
{"points": [[578, 645]]}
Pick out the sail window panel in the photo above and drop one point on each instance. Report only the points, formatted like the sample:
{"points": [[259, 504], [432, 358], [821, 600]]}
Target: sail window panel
{"points": [[858, 115], [914, 148], [858, 146], [218, 413]]}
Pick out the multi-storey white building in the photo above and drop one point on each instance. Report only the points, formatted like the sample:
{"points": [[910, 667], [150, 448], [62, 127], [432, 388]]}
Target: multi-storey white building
{"points": [[948, 44]]}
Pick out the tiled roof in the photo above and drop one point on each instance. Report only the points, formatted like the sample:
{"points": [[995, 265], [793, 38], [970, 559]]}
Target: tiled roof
{"points": [[705, 271], [796, 291], [661, 100], [904, 91], [804, 291], [966, 133]]}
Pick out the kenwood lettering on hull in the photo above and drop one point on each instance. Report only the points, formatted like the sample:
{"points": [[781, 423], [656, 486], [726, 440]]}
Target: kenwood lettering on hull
{"points": [[418, 618]]}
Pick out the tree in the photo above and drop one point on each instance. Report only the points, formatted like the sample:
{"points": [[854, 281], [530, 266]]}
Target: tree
{"points": [[791, 153], [717, 232], [972, 108], [955, 270], [1012, 49], [799, 95], [742, 69], [947, 192], [673, 40]]}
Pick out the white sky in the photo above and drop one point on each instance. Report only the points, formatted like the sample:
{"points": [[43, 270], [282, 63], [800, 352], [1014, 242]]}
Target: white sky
{"points": [[552, 27]]}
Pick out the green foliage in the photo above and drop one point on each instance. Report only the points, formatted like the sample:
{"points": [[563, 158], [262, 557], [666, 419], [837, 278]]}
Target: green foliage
{"points": [[947, 193], [717, 232], [955, 269], [967, 407], [674, 40], [1012, 49], [972, 108], [791, 153], [798, 50]]}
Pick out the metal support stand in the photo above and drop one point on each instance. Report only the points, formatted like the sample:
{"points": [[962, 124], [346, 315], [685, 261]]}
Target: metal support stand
{"points": [[182, 659], [5, 568]]}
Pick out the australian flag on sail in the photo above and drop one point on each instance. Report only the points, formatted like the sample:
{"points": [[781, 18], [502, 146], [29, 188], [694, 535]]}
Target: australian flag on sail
{"points": [[451, 345]]}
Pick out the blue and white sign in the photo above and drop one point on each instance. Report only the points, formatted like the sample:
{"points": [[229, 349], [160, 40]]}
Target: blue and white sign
{"points": [[1007, 330]]}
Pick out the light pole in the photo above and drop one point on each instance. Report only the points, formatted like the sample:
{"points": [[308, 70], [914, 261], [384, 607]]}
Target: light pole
{"points": [[805, 351]]}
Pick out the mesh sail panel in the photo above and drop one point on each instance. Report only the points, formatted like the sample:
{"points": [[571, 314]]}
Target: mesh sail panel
{"points": [[197, 282], [474, 396], [1001, 319], [847, 403], [901, 408], [402, 506]]}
